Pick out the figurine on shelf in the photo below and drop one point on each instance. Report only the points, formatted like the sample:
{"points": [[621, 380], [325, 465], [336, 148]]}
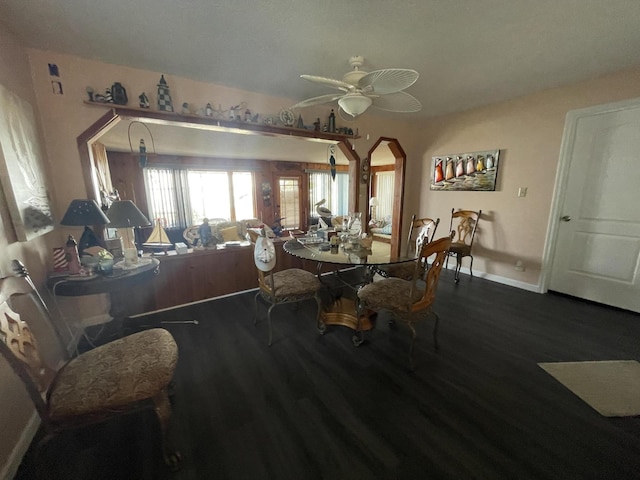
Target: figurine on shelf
{"points": [[209, 110], [89, 91], [233, 113], [204, 233], [144, 100], [164, 97], [332, 122], [107, 96], [247, 115], [185, 108], [119, 94], [316, 125]]}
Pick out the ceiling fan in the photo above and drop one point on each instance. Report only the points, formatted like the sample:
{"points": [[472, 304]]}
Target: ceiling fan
{"points": [[381, 89]]}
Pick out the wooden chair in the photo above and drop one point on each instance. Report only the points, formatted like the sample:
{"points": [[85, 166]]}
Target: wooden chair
{"points": [[407, 300], [285, 286], [127, 374], [424, 230], [464, 223]]}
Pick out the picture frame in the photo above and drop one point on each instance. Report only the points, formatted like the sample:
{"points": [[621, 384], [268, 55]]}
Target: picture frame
{"points": [[473, 171], [21, 168]]}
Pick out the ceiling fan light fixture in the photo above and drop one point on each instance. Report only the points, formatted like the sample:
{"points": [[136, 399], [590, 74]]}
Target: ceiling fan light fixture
{"points": [[354, 104]]}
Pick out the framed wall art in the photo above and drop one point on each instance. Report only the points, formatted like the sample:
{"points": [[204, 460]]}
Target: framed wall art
{"points": [[21, 168], [476, 171]]}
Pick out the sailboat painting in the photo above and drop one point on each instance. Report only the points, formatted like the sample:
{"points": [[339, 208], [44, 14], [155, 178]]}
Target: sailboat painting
{"points": [[476, 171], [158, 241]]}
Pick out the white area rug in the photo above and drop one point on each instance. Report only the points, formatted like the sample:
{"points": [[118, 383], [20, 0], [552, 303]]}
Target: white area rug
{"points": [[612, 388]]}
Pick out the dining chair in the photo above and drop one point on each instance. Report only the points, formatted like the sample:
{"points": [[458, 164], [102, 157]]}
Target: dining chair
{"points": [[464, 223], [420, 230], [285, 286], [119, 377], [407, 300]]}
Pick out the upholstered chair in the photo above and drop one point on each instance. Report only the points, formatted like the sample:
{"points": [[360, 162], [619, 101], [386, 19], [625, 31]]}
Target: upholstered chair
{"points": [[408, 300], [285, 286], [127, 374]]}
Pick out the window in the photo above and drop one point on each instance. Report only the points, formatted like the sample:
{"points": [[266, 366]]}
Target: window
{"points": [[335, 192], [384, 193], [183, 197], [289, 202]]}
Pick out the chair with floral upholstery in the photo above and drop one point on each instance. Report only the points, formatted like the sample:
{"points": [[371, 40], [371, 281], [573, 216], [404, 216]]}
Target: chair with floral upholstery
{"points": [[285, 286], [127, 374], [407, 300], [420, 230]]}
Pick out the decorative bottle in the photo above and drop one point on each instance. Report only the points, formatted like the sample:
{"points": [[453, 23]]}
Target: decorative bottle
{"points": [[71, 253], [332, 122]]}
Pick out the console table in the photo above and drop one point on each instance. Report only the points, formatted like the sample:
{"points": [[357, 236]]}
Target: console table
{"points": [[123, 287]]}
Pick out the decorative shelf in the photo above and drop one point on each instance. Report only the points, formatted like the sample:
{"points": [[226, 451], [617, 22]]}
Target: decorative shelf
{"points": [[214, 124]]}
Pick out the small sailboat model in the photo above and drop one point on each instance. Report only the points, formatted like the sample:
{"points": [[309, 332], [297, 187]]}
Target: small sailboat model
{"points": [[158, 241]]}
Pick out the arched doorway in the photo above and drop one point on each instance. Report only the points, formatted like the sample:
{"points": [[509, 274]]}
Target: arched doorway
{"points": [[387, 152]]}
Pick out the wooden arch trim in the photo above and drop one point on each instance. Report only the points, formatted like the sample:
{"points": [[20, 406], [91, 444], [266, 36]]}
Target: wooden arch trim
{"points": [[116, 114], [398, 189]]}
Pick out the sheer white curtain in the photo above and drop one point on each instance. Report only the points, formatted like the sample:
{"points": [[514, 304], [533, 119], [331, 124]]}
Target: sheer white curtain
{"points": [[384, 194], [102, 171], [335, 192]]}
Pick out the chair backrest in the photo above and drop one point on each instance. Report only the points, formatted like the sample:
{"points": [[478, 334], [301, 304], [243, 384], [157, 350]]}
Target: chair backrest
{"points": [[18, 344], [264, 256], [424, 230], [466, 225], [439, 248]]}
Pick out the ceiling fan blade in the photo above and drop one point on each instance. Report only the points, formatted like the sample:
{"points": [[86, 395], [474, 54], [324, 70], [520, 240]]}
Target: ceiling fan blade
{"points": [[330, 82], [397, 102], [317, 100], [389, 80]]}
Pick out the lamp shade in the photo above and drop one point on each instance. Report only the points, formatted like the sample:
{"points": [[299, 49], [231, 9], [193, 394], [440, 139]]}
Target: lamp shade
{"points": [[124, 213], [354, 103], [82, 212], [373, 202]]}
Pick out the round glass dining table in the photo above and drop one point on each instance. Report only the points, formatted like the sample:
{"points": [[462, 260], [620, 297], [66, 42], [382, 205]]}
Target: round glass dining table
{"points": [[342, 311]]}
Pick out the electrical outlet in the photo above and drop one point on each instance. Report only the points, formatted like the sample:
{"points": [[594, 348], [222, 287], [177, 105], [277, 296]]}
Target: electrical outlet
{"points": [[519, 266], [522, 192]]}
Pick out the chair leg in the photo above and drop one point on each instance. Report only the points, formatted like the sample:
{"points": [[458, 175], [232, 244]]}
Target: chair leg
{"points": [[319, 323], [458, 266], [413, 340], [435, 331], [358, 337], [269, 323], [255, 300], [163, 412], [471, 266]]}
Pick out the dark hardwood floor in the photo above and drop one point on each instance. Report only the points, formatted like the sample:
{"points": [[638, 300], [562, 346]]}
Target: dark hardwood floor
{"points": [[315, 407]]}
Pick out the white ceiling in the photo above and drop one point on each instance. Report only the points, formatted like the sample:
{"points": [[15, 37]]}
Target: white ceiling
{"points": [[468, 53]]}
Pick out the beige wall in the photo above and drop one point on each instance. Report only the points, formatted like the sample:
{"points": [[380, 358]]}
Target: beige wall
{"points": [[16, 410], [528, 131]]}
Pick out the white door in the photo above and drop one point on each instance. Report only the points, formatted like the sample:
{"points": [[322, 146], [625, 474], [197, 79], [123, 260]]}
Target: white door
{"points": [[597, 248]]}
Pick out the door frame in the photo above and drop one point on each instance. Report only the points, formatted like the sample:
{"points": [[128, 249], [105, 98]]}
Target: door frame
{"points": [[562, 175]]}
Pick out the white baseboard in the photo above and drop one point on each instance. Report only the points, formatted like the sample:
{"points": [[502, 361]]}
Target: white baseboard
{"points": [[22, 445], [503, 280]]}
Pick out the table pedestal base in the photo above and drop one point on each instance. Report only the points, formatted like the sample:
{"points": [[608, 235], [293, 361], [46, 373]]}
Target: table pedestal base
{"points": [[343, 312]]}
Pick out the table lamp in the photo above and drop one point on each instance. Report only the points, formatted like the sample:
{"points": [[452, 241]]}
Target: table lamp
{"points": [[125, 216], [373, 203], [85, 212]]}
